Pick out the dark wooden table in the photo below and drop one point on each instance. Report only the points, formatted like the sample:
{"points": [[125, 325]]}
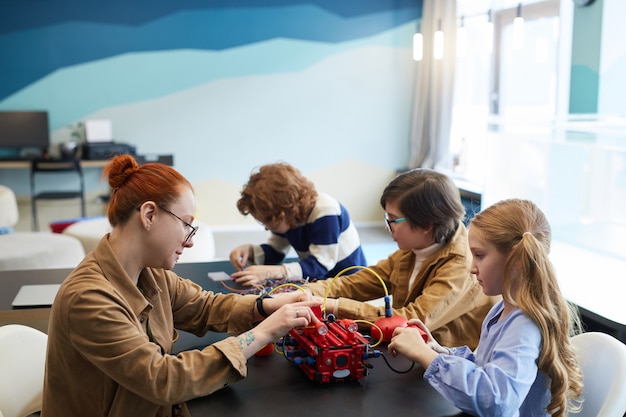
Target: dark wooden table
{"points": [[277, 387], [274, 385], [37, 317], [11, 281]]}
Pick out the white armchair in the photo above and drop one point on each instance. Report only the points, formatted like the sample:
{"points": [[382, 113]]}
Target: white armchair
{"points": [[602, 359], [32, 250], [22, 366], [90, 231]]}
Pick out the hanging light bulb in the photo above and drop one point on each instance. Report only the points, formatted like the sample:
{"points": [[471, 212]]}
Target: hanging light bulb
{"points": [[518, 29], [418, 45], [438, 42], [461, 39]]}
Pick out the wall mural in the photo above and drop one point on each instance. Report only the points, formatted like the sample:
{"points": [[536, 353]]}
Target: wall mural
{"points": [[224, 86]]}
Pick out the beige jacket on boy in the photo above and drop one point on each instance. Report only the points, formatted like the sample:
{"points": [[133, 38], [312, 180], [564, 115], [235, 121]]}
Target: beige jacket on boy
{"points": [[445, 296]]}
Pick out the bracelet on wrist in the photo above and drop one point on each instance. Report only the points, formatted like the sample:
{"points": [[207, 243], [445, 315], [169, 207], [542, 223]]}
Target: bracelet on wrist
{"points": [[283, 270], [259, 305]]}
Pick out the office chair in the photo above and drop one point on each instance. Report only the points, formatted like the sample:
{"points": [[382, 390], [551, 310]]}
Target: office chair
{"points": [[59, 168], [22, 367], [602, 359]]}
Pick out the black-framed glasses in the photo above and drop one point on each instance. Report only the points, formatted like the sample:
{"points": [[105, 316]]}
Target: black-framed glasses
{"points": [[389, 221], [194, 229]]}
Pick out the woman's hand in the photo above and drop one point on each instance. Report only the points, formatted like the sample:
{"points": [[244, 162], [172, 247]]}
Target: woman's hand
{"points": [[258, 274], [276, 301], [279, 323], [279, 299]]}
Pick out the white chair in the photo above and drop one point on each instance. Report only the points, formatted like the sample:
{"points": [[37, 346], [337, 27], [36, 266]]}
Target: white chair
{"points": [[22, 366], [33, 250], [602, 359]]}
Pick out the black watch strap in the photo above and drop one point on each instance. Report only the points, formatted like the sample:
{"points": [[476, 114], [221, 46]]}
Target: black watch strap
{"points": [[259, 305]]}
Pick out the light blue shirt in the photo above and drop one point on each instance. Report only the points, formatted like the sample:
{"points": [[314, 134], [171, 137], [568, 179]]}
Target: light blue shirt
{"points": [[501, 378]]}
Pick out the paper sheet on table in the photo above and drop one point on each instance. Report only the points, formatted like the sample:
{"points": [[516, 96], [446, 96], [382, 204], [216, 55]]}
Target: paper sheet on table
{"points": [[219, 276]]}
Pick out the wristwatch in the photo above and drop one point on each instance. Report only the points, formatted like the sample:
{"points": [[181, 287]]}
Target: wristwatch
{"points": [[259, 304]]}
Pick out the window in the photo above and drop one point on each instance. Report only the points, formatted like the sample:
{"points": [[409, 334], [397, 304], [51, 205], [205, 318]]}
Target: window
{"points": [[495, 62], [526, 62], [512, 136]]}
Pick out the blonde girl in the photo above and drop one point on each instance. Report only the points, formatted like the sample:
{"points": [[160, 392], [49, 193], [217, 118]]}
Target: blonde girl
{"points": [[525, 364]]}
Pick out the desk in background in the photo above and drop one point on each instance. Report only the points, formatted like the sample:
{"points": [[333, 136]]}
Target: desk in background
{"points": [[86, 163], [26, 164], [16, 176]]}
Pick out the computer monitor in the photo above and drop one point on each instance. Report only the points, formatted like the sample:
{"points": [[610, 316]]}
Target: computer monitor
{"points": [[24, 134]]}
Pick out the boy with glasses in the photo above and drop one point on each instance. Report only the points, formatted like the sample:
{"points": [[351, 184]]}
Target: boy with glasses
{"points": [[428, 277]]}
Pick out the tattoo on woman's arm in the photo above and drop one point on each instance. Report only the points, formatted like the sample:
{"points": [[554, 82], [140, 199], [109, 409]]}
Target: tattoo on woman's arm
{"points": [[245, 339]]}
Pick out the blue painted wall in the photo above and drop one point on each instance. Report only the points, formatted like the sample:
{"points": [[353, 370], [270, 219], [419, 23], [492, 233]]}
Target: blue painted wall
{"points": [[223, 85]]}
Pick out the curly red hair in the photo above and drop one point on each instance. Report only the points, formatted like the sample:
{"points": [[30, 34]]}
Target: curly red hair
{"points": [[133, 184], [278, 192]]}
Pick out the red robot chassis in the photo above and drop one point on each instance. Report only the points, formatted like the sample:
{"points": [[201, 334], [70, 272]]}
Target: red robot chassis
{"points": [[330, 351]]}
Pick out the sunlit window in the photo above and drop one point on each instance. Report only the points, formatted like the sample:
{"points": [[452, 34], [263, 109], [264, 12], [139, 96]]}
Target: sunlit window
{"points": [[504, 71], [510, 138]]}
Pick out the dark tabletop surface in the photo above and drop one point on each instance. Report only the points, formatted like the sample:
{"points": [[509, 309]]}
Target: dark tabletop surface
{"points": [[277, 386]]}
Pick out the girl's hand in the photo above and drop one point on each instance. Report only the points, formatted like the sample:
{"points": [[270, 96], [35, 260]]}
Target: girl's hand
{"points": [[431, 342], [408, 342]]}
